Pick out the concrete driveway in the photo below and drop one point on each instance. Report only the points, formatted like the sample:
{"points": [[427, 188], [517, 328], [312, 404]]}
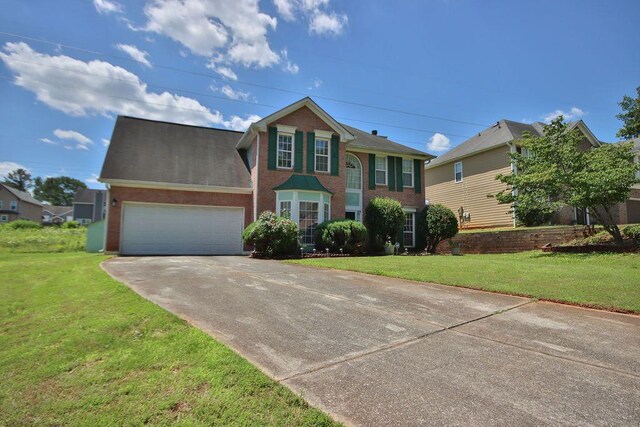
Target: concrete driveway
{"points": [[379, 351]]}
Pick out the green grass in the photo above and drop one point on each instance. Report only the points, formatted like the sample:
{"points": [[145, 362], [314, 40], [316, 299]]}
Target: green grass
{"points": [[46, 239], [608, 281], [79, 348]]}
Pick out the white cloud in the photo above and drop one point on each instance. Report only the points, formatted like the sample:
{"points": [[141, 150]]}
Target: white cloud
{"points": [[73, 135], [225, 72], [48, 141], [105, 142], [93, 179], [229, 92], [209, 27], [68, 147], [6, 167], [107, 6], [288, 66], [327, 23], [286, 9], [135, 53], [237, 123], [82, 147], [438, 143], [315, 85], [573, 113]]}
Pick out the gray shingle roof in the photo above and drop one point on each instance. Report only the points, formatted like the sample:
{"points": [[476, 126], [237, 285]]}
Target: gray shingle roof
{"points": [[146, 150], [368, 141], [85, 195], [21, 195], [57, 210]]}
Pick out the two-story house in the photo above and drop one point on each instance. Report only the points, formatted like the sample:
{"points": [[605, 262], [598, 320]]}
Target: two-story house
{"points": [[89, 205], [463, 177], [178, 189], [16, 204]]}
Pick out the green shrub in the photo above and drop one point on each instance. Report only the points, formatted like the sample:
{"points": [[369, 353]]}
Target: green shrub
{"points": [[632, 232], [70, 224], [438, 223], [532, 212], [22, 224], [272, 236], [345, 234], [384, 219], [600, 238]]}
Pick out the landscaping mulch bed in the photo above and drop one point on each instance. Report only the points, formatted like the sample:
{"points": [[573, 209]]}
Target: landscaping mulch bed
{"points": [[626, 247]]}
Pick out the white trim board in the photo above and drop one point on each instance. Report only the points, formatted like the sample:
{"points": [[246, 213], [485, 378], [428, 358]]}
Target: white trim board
{"points": [[176, 186]]}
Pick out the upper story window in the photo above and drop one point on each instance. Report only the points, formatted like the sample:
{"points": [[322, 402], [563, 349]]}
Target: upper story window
{"points": [[354, 172], [322, 155], [381, 170], [457, 170], [407, 172], [285, 150], [13, 205]]}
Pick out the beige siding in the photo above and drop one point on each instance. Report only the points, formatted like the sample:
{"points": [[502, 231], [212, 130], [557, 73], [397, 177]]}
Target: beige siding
{"points": [[479, 172]]}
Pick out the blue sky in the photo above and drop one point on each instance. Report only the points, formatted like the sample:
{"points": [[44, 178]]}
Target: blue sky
{"points": [[426, 73]]}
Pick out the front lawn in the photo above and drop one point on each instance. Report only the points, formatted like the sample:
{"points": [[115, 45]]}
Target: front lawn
{"points": [[609, 281], [79, 348]]}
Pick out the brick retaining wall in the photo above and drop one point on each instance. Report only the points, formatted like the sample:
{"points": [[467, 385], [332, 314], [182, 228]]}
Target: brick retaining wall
{"points": [[511, 241]]}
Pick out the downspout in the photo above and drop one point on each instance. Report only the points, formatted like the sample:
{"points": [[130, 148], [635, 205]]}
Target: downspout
{"points": [[255, 184], [514, 170], [106, 218]]}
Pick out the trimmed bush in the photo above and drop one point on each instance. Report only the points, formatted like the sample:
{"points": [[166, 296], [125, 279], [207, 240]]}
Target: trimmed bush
{"points": [[345, 234], [272, 236], [438, 223], [384, 219], [22, 224], [532, 212], [632, 232], [70, 224]]}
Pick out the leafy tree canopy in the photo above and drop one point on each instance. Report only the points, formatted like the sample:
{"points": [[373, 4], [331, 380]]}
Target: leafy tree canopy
{"points": [[19, 179], [557, 172], [630, 116], [57, 190]]}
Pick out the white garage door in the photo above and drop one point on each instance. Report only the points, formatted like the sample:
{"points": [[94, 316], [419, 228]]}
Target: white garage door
{"points": [[149, 229]]}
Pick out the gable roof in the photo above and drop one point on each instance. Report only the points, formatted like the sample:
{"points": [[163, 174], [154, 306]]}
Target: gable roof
{"points": [[85, 195], [21, 195], [502, 133], [261, 125], [366, 141], [149, 152], [302, 182], [57, 210]]}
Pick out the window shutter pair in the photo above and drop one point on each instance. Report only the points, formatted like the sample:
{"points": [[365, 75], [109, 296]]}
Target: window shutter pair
{"points": [[311, 152], [372, 171], [418, 173], [391, 173], [399, 180], [272, 150], [335, 155]]}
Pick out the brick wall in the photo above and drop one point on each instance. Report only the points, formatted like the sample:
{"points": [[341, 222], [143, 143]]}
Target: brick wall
{"points": [[513, 241], [126, 194]]}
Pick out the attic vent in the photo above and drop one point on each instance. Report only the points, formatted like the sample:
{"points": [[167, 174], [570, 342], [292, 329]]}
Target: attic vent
{"points": [[374, 132]]}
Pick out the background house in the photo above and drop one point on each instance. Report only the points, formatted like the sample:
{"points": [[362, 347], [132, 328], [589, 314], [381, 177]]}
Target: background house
{"points": [[89, 205], [16, 204], [56, 214]]}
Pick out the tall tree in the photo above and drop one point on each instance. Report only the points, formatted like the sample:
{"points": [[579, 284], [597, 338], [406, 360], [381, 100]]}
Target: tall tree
{"points": [[630, 116], [555, 169], [57, 190], [19, 179]]}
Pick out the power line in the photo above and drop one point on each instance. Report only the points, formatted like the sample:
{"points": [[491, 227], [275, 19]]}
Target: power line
{"points": [[162, 66]]}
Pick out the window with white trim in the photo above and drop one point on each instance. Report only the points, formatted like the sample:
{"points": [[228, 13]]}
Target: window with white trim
{"points": [[408, 231], [407, 172], [285, 209], [381, 170], [354, 173], [308, 220], [322, 155], [457, 171], [4, 218], [285, 150], [327, 212], [13, 205]]}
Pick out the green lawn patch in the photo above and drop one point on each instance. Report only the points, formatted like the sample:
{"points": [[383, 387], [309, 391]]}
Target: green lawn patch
{"points": [[46, 239], [608, 281], [79, 348]]}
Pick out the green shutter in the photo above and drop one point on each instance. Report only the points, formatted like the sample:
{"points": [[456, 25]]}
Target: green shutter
{"points": [[297, 164], [272, 150], [335, 155], [418, 173], [372, 171], [391, 173], [311, 152], [399, 181]]}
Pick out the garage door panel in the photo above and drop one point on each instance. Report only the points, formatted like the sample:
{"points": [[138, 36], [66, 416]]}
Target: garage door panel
{"points": [[181, 230]]}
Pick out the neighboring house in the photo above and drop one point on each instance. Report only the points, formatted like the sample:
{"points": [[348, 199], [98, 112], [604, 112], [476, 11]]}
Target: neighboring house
{"points": [[16, 204], [56, 214], [89, 205], [629, 212], [462, 178], [178, 189]]}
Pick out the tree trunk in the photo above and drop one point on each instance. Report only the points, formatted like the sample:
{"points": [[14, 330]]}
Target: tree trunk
{"points": [[607, 223]]}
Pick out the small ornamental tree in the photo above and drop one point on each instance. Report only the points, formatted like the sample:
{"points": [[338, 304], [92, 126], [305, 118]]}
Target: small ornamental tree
{"points": [[557, 172], [384, 218], [438, 223], [272, 236]]}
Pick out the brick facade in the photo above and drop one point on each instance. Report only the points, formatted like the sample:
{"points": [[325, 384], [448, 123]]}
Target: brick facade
{"points": [[127, 194]]}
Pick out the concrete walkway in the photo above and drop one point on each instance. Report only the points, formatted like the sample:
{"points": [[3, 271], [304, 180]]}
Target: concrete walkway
{"points": [[378, 351]]}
